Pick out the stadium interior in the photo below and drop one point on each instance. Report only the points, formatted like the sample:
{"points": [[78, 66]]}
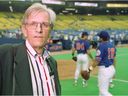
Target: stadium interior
{"points": [[73, 17]]}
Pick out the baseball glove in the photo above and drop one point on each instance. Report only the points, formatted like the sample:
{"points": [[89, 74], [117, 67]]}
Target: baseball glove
{"points": [[74, 58], [85, 75]]}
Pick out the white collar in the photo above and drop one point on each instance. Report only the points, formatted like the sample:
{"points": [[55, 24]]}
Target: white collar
{"points": [[45, 53]]}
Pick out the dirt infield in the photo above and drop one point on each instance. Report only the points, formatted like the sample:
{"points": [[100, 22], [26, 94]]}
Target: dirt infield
{"points": [[66, 69]]}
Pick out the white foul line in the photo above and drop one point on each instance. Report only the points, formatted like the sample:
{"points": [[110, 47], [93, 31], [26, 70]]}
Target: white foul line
{"points": [[119, 80]]}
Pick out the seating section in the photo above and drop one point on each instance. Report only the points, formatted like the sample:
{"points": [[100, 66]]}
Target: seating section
{"points": [[68, 28], [10, 20], [75, 22], [91, 22]]}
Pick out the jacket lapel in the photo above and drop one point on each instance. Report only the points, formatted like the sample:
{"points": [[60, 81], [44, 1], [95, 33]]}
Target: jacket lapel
{"points": [[23, 83], [53, 66]]}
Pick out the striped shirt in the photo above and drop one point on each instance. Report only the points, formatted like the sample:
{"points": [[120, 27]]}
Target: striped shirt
{"points": [[42, 82]]}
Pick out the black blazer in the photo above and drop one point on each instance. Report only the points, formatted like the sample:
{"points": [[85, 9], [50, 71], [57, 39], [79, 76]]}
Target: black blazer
{"points": [[15, 77]]}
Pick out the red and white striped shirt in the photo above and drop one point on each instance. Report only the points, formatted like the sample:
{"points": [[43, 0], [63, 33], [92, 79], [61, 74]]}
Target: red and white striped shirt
{"points": [[42, 82]]}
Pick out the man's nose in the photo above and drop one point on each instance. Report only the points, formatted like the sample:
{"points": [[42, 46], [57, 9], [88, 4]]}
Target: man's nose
{"points": [[39, 28]]}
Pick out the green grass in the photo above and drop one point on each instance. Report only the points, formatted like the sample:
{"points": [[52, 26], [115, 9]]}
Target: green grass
{"points": [[121, 88], [69, 89], [63, 57], [120, 81]]}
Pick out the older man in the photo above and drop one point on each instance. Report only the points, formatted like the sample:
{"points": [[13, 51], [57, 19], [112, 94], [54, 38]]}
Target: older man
{"points": [[28, 69]]}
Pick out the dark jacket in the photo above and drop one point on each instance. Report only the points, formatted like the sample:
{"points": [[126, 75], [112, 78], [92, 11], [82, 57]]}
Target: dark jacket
{"points": [[15, 77]]}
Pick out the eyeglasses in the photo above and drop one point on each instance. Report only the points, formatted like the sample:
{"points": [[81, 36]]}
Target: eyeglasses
{"points": [[43, 25]]}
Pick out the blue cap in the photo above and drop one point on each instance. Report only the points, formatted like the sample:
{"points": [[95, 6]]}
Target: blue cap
{"points": [[84, 33], [104, 34]]}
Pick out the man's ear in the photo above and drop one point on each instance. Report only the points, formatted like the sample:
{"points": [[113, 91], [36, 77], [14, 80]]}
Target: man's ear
{"points": [[52, 25], [51, 28], [49, 35], [24, 31]]}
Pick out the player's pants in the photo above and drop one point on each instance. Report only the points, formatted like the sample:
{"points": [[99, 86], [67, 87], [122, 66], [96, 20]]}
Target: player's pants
{"points": [[104, 76], [82, 64]]}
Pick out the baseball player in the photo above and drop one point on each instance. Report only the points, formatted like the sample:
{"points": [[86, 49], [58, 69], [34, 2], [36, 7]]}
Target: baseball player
{"points": [[111, 85], [82, 47], [105, 55]]}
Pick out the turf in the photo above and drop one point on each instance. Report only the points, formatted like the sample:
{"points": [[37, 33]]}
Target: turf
{"points": [[120, 81], [68, 88], [63, 57]]}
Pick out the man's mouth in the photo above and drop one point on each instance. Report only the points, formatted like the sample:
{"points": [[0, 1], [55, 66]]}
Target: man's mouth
{"points": [[38, 37]]}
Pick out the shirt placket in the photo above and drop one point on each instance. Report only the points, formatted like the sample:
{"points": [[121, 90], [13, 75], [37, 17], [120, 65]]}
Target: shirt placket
{"points": [[44, 70]]}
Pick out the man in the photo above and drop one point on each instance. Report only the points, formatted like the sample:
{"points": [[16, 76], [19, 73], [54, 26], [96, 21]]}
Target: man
{"points": [[105, 55], [28, 69], [111, 84], [82, 46]]}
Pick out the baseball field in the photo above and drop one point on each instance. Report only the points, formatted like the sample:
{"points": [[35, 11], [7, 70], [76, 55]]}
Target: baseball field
{"points": [[66, 68]]}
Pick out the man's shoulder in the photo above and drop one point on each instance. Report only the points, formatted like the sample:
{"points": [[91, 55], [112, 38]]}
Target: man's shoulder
{"points": [[4, 48], [101, 45], [51, 58], [87, 41]]}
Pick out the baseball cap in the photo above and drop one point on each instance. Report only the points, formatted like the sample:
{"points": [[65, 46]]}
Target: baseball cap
{"points": [[104, 34], [84, 33]]}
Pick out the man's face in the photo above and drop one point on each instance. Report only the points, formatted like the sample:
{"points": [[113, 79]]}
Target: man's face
{"points": [[85, 37], [37, 28]]}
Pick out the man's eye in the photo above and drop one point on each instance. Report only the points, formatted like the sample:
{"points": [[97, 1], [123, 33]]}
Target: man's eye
{"points": [[33, 24], [46, 24]]}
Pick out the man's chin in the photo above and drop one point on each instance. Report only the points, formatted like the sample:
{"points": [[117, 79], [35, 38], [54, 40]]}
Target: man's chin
{"points": [[40, 45]]}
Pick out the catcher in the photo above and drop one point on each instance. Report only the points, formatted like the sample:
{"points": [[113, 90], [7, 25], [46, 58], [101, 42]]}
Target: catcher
{"points": [[82, 46]]}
